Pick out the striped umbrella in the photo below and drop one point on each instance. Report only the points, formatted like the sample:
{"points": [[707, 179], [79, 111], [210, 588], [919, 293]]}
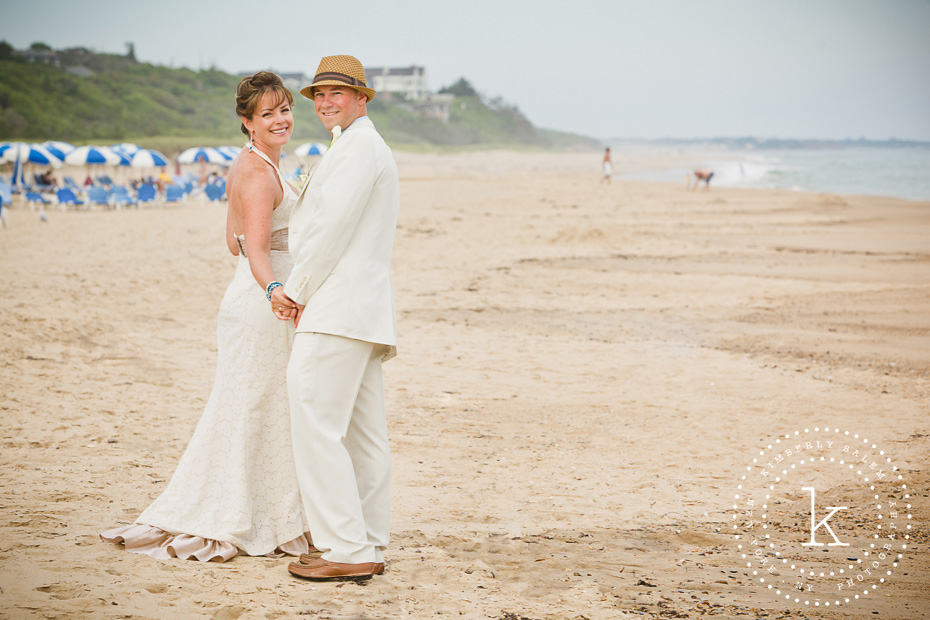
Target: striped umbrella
{"points": [[310, 148], [28, 153], [58, 149], [145, 158], [229, 151], [4, 147], [99, 155], [204, 155], [21, 153], [127, 148]]}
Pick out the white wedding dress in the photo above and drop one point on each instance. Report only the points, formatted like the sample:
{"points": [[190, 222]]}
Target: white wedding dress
{"points": [[235, 488]]}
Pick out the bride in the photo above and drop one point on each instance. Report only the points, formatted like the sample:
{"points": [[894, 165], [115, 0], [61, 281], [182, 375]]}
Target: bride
{"points": [[235, 488]]}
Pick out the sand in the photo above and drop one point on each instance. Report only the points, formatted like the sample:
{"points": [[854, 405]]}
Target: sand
{"points": [[584, 370]]}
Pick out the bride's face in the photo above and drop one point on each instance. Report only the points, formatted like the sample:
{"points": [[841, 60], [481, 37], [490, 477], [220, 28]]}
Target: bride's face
{"points": [[272, 121]]}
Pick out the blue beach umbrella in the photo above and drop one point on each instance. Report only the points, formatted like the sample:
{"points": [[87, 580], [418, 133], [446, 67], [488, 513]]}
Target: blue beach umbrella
{"points": [[58, 149], [9, 152], [203, 155], [126, 148], [310, 148], [229, 151], [145, 158], [28, 153], [98, 155], [21, 154]]}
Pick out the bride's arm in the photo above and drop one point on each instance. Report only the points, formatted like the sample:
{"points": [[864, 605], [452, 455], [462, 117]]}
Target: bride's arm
{"points": [[231, 244]]}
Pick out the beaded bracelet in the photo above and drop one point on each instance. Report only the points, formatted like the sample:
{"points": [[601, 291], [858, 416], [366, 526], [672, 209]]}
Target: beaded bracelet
{"points": [[271, 286]]}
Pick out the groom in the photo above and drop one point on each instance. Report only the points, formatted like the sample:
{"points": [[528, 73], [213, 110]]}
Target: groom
{"points": [[341, 235]]}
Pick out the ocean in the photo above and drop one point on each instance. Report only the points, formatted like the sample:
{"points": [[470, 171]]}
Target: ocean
{"points": [[900, 172]]}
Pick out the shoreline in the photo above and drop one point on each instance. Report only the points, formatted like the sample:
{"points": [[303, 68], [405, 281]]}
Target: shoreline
{"points": [[648, 162]]}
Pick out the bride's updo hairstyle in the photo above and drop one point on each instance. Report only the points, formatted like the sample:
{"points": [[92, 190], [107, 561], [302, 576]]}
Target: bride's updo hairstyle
{"points": [[253, 87]]}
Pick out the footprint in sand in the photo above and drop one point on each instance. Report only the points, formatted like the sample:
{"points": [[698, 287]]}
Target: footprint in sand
{"points": [[228, 613], [61, 591]]}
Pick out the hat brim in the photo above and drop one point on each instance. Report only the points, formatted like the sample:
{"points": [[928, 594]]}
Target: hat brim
{"points": [[307, 91]]}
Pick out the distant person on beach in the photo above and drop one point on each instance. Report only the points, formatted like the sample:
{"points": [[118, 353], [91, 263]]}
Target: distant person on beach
{"points": [[164, 179], [47, 178], [702, 175], [607, 165], [235, 489]]}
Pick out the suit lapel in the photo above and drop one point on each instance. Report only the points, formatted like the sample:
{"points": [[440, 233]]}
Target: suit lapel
{"points": [[307, 184], [360, 122]]}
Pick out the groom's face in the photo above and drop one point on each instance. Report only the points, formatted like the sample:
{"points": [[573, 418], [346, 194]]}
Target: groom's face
{"points": [[338, 105]]}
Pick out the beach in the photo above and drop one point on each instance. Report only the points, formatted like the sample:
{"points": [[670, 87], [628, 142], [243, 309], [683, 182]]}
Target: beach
{"points": [[584, 370]]}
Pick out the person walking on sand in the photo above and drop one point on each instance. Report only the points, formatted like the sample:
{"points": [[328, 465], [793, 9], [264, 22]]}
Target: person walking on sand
{"points": [[341, 238], [607, 166], [702, 175]]}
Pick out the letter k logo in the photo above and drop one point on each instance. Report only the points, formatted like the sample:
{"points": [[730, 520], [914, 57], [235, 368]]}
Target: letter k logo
{"points": [[823, 522]]}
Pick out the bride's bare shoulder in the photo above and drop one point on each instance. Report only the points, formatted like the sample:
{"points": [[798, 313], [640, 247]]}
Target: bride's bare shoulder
{"points": [[250, 174]]}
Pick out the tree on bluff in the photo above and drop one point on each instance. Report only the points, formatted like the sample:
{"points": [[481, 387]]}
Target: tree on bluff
{"points": [[461, 88]]}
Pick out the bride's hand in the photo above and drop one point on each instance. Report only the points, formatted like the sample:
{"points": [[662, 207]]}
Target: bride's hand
{"points": [[283, 306]]}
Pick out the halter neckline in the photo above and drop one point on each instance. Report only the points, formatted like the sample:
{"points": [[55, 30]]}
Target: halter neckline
{"points": [[254, 149]]}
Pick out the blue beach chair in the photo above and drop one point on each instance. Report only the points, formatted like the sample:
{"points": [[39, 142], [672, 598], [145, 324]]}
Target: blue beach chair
{"points": [[36, 198], [97, 196], [119, 196], [66, 196], [214, 192], [146, 193], [173, 193]]}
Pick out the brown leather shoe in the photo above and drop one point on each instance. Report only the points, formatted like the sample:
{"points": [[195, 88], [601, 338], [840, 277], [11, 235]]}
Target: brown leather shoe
{"points": [[324, 570], [307, 558]]}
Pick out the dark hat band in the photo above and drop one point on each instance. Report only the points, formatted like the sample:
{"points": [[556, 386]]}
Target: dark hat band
{"points": [[339, 77]]}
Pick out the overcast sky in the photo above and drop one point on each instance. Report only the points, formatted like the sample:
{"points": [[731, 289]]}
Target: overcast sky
{"points": [[649, 68]]}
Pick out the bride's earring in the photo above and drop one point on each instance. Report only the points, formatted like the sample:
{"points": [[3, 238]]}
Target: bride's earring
{"points": [[252, 140]]}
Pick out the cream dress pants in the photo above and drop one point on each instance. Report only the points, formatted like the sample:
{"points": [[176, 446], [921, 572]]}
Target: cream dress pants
{"points": [[340, 445]]}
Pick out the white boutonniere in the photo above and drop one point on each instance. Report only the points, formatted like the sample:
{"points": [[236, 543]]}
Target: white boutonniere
{"points": [[337, 131]]}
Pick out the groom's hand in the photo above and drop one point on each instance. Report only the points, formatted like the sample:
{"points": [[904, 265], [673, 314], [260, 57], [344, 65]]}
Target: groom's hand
{"points": [[283, 306]]}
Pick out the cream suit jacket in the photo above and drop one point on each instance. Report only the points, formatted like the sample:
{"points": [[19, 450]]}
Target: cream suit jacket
{"points": [[340, 236]]}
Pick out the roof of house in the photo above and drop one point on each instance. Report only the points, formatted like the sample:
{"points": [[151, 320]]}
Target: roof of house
{"points": [[411, 70]]}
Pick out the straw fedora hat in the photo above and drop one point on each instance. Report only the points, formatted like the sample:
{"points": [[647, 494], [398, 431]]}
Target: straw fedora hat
{"points": [[339, 71]]}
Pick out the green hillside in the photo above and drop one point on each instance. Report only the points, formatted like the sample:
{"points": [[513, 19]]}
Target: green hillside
{"points": [[80, 96]]}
